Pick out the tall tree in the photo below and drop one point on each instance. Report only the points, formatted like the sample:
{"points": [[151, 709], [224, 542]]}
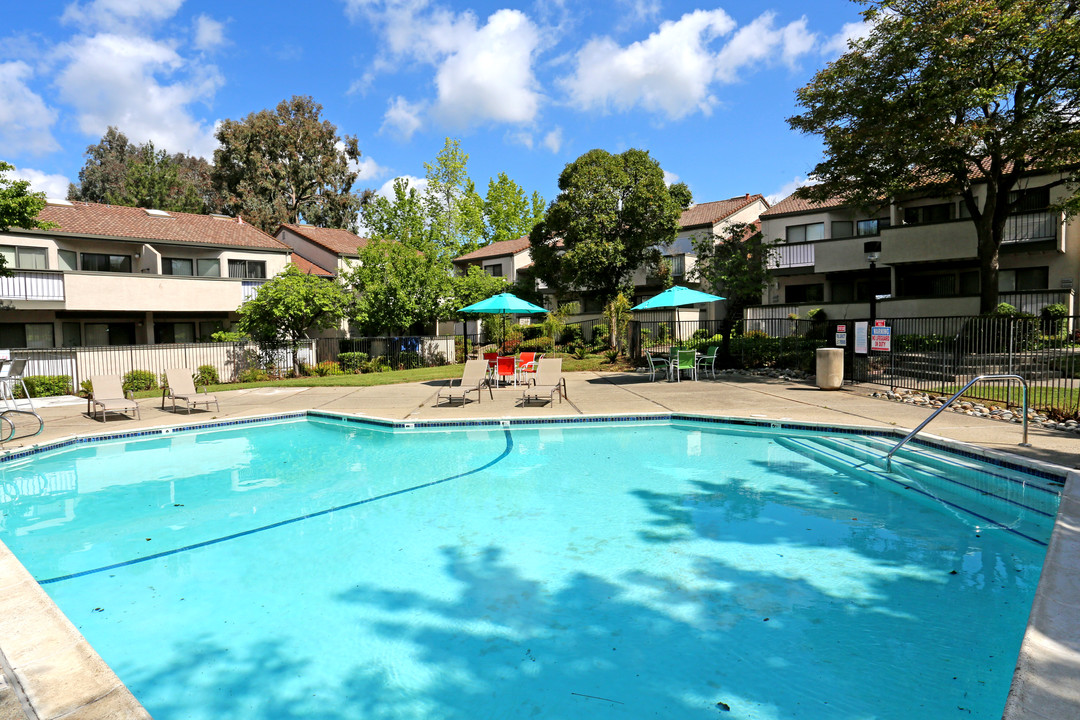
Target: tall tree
{"points": [[736, 266], [947, 95], [120, 172], [275, 166], [401, 219], [453, 207], [396, 286], [508, 212], [289, 305], [612, 215]]}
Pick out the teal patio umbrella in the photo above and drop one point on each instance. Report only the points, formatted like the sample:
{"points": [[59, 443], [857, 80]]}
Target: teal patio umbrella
{"points": [[503, 304], [675, 297]]}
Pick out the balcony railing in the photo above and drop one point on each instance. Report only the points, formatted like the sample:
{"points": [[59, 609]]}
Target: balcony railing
{"points": [[1031, 227], [792, 255], [251, 289], [32, 285]]}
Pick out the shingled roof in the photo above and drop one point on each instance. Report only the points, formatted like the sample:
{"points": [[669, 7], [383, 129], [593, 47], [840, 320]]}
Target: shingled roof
{"points": [[337, 241], [792, 205], [94, 220], [497, 249], [710, 213], [309, 267]]}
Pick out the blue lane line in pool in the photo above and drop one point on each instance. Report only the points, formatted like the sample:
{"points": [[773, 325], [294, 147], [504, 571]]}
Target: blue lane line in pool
{"points": [[206, 543]]}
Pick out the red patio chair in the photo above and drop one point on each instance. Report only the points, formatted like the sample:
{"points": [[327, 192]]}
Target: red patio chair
{"points": [[505, 368]]}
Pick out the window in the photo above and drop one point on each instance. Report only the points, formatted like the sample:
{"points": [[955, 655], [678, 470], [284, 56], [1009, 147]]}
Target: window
{"points": [[99, 334], [494, 270], [814, 292], [71, 334], [96, 262], [174, 332], [68, 260], [1030, 200], [26, 335], [1033, 278], [842, 228], [871, 227], [177, 266], [250, 269], [806, 233], [925, 214], [25, 258], [209, 268]]}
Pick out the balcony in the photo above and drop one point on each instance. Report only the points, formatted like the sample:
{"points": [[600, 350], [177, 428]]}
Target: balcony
{"points": [[109, 292], [33, 285], [1031, 227], [793, 255]]}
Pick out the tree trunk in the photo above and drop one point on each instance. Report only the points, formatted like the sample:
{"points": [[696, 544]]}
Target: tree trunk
{"points": [[990, 235]]}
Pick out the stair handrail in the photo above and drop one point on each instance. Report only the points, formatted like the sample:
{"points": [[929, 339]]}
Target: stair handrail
{"points": [[961, 391]]}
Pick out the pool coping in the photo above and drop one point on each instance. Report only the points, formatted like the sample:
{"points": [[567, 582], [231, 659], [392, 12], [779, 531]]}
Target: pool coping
{"points": [[58, 674]]}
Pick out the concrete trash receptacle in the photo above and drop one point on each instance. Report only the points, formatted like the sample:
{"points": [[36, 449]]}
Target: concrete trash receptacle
{"points": [[830, 368]]}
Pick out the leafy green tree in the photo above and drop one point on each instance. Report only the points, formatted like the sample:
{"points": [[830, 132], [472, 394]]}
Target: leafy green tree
{"points": [[18, 206], [275, 166], [944, 96], [289, 305], [508, 212], [401, 220], [734, 265], [453, 209], [618, 314], [476, 285], [612, 215], [396, 287], [119, 172]]}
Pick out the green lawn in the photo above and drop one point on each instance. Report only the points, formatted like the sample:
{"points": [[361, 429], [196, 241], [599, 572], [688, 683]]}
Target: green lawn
{"points": [[442, 372]]}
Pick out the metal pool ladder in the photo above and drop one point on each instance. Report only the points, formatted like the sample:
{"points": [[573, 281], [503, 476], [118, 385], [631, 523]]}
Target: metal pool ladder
{"points": [[978, 378]]}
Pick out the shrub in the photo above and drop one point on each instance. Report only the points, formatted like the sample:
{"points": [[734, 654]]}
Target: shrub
{"points": [[539, 344], [138, 380], [86, 387], [45, 385], [531, 332], [352, 361], [409, 359], [207, 375], [571, 335], [376, 364], [700, 334], [611, 355], [1003, 310], [1053, 318], [580, 352], [327, 367], [601, 335], [253, 375], [817, 315]]}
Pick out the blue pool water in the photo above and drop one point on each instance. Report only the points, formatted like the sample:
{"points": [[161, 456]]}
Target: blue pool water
{"points": [[318, 568]]}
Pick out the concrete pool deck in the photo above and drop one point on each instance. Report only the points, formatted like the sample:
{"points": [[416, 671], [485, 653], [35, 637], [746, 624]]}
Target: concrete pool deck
{"points": [[47, 670]]}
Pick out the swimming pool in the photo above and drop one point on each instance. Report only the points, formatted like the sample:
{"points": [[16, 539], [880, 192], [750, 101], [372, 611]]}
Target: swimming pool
{"points": [[327, 568]]}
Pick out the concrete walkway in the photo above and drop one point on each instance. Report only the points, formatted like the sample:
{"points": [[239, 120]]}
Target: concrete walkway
{"points": [[47, 670]]}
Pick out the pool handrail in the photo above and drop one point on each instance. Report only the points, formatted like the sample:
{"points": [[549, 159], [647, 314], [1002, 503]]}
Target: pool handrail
{"points": [[961, 391]]}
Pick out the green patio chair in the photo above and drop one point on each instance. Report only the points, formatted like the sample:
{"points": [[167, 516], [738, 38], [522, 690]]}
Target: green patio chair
{"points": [[686, 361], [708, 360]]}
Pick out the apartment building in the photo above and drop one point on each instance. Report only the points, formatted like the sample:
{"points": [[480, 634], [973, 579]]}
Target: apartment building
{"points": [[927, 263], [504, 259], [328, 250], [109, 275]]}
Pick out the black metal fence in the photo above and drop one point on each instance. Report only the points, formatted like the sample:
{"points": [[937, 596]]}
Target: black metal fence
{"points": [[939, 355]]}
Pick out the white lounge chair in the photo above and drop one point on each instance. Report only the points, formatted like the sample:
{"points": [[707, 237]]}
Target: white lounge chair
{"points": [[474, 378], [108, 396], [547, 383], [182, 388]]}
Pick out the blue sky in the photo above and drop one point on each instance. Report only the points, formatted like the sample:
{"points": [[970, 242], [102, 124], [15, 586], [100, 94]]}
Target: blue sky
{"points": [[527, 88]]}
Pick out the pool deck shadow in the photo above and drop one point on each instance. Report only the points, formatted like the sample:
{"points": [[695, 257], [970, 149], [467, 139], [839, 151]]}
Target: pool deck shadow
{"points": [[47, 669]]}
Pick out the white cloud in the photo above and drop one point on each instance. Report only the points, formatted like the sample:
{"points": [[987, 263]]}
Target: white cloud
{"points": [[367, 169], [670, 178], [483, 72], [25, 119], [837, 45], [672, 72], [402, 118], [209, 33], [54, 186], [638, 11], [116, 14], [788, 188], [553, 140], [125, 81]]}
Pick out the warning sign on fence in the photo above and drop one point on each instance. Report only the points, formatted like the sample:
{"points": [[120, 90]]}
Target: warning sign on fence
{"points": [[881, 338]]}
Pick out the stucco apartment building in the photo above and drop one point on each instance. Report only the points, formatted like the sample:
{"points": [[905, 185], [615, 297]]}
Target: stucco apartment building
{"points": [[321, 251], [928, 263], [110, 275]]}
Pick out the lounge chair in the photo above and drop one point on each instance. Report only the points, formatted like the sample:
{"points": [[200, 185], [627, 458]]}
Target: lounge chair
{"points": [[547, 383], [474, 378], [108, 396], [657, 366], [182, 388], [526, 366]]}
